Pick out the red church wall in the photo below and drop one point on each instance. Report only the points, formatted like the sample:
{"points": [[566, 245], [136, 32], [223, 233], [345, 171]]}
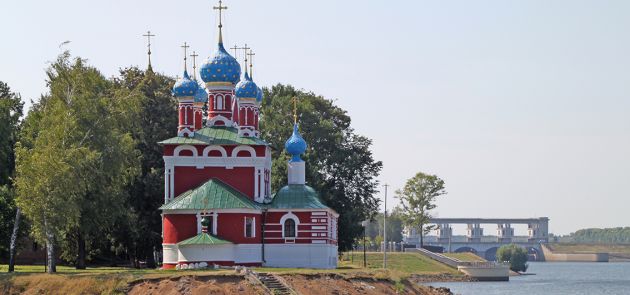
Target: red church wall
{"points": [[178, 227], [273, 228], [231, 226], [241, 178]]}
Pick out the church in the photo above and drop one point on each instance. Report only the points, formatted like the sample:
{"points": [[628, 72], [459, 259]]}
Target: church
{"points": [[219, 206]]}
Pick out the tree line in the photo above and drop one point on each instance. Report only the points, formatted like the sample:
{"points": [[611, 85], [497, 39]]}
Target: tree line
{"points": [[82, 172], [615, 235]]}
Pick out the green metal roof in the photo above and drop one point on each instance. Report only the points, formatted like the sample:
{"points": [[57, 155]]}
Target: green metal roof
{"points": [[296, 196], [216, 135], [214, 194], [203, 239]]}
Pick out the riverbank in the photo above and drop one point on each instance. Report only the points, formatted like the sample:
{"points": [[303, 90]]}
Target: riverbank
{"points": [[217, 282], [405, 273]]}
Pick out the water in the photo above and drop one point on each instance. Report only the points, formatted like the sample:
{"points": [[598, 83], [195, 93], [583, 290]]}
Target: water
{"points": [[555, 278]]}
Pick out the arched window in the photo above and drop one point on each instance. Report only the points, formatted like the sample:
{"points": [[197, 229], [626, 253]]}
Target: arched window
{"points": [[289, 228], [219, 102]]}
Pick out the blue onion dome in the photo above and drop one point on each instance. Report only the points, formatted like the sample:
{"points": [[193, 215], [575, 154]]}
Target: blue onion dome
{"points": [[246, 88], [202, 95], [185, 86], [221, 67], [259, 96], [295, 145]]}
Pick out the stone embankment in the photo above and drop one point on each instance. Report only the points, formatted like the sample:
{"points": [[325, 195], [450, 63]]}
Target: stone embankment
{"points": [[552, 256]]}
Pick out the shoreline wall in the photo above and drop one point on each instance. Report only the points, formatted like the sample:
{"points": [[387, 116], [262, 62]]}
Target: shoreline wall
{"points": [[550, 256]]}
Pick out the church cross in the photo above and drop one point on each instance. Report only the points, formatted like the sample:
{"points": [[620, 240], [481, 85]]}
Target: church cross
{"points": [[185, 46], [251, 61], [194, 57], [220, 8], [149, 35], [245, 48], [235, 48]]}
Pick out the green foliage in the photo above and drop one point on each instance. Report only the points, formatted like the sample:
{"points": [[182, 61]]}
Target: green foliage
{"points": [[399, 287], [616, 235], [152, 112], [10, 113], [417, 199], [340, 164], [73, 161], [515, 255], [394, 227]]}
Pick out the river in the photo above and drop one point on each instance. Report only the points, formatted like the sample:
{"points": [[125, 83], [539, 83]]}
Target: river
{"points": [[555, 278]]}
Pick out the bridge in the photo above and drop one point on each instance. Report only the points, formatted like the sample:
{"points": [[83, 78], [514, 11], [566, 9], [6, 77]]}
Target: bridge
{"points": [[484, 245]]}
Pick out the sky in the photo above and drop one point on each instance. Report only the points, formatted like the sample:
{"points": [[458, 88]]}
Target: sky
{"points": [[522, 107]]}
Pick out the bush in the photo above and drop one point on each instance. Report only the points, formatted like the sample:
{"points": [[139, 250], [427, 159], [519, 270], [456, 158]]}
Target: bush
{"points": [[515, 255]]}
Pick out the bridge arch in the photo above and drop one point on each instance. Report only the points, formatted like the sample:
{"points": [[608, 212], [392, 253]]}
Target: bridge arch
{"points": [[466, 249]]}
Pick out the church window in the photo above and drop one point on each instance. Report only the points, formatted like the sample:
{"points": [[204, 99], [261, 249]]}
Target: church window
{"points": [[219, 102], [289, 228], [249, 227]]}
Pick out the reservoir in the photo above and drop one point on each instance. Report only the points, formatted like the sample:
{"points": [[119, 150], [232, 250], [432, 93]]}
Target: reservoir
{"points": [[555, 278]]}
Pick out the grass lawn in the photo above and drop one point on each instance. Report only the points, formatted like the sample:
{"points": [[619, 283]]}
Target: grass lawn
{"points": [[407, 263], [469, 257]]}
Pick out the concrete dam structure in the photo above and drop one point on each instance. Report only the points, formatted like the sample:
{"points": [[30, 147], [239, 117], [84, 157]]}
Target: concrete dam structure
{"points": [[485, 246]]}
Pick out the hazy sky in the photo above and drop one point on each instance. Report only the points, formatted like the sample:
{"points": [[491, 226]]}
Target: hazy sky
{"points": [[522, 107]]}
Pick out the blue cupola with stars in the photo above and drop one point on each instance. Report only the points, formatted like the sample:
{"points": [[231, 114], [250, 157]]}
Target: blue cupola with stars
{"points": [[221, 68], [246, 88], [202, 95], [185, 86], [295, 145]]}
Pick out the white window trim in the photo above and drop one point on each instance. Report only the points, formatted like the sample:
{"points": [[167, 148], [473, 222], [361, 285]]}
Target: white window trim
{"points": [[253, 233], [213, 230], [284, 218]]}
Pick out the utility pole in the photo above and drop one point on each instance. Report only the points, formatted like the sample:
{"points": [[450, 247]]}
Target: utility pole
{"points": [[385, 230], [365, 224]]}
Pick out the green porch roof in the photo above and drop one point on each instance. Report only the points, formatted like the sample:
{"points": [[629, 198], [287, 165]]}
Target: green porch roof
{"points": [[296, 196], [203, 239], [215, 135], [214, 194]]}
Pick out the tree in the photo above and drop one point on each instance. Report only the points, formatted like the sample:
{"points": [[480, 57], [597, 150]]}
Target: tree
{"points": [[417, 199], [154, 121], [10, 112], [74, 161], [394, 226], [340, 164], [515, 255]]}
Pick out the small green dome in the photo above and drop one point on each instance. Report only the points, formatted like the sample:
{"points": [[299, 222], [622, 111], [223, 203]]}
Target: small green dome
{"points": [[205, 221]]}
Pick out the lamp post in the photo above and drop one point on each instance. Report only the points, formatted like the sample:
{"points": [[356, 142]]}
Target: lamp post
{"points": [[365, 224], [385, 230]]}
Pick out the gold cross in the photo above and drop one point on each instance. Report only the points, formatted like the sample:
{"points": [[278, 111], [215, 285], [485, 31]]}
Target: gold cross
{"points": [[185, 46], [251, 61], [245, 48], [220, 8], [235, 48], [194, 56], [149, 35], [295, 109]]}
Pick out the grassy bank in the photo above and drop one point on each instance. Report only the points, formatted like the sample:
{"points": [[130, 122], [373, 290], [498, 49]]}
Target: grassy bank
{"points": [[116, 280], [577, 248], [470, 257]]}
